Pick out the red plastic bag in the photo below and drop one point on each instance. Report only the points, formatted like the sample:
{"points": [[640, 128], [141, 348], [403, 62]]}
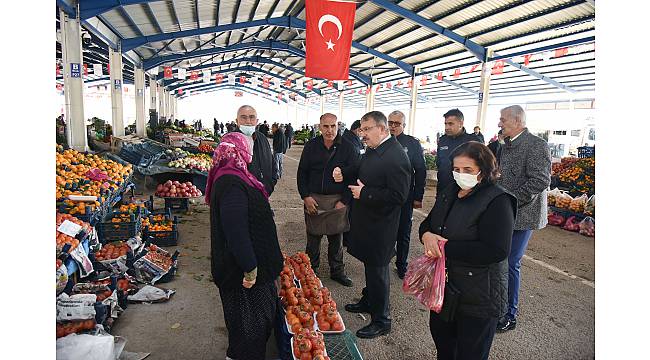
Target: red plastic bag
{"points": [[571, 224], [425, 278]]}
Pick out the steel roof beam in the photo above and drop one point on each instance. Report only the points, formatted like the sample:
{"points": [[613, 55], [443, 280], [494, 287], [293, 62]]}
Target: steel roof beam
{"points": [[284, 21], [253, 59], [92, 8], [236, 85], [248, 69], [133, 43], [477, 50], [264, 45]]}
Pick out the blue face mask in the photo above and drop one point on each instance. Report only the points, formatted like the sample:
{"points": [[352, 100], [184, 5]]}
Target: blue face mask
{"points": [[248, 130]]}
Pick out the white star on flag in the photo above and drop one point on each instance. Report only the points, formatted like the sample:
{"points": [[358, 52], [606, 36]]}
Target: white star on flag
{"points": [[330, 45]]}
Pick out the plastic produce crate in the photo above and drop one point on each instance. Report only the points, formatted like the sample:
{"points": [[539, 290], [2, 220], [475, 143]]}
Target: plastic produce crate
{"points": [[162, 238], [177, 204], [586, 152], [109, 231], [342, 346]]}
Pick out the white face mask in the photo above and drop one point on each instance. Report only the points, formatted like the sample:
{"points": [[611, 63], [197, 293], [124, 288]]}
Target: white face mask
{"points": [[248, 130], [466, 181]]}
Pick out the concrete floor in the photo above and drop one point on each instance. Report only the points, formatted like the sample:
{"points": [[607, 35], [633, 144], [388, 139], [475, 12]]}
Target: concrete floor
{"points": [[556, 319]]}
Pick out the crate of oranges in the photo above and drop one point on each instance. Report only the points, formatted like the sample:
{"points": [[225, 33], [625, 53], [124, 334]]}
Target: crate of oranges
{"points": [[119, 226], [161, 230]]}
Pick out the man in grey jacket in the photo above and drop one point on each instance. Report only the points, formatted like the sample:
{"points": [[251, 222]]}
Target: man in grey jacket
{"points": [[525, 165]]}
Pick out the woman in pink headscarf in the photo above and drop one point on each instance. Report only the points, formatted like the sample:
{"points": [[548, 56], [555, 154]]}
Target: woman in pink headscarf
{"points": [[246, 256]]}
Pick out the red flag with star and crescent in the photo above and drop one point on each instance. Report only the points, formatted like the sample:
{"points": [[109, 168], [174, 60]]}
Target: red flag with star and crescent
{"points": [[329, 27]]}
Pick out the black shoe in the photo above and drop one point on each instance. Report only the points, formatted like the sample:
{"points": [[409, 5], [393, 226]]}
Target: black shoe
{"points": [[373, 330], [342, 279], [506, 324], [357, 308]]}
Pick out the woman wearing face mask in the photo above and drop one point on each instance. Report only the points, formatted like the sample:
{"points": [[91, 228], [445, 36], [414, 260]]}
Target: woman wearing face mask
{"points": [[246, 257], [476, 217]]}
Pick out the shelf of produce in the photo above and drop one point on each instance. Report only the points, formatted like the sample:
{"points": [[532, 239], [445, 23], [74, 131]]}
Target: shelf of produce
{"points": [[567, 213]]}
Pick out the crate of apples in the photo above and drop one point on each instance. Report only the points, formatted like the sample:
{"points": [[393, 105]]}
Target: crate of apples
{"points": [[112, 251], [308, 345], [62, 239], [175, 189]]}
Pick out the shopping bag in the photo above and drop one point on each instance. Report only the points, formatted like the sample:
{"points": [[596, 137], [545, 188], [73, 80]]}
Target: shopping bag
{"points": [[425, 279]]}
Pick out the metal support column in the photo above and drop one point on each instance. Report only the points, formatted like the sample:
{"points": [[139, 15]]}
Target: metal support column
{"points": [[322, 105], [115, 59], [73, 83], [140, 124], [483, 93], [161, 103], [341, 106], [414, 105], [153, 91]]}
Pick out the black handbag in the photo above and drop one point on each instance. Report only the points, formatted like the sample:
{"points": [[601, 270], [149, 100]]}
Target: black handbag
{"points": [[450, 303]]}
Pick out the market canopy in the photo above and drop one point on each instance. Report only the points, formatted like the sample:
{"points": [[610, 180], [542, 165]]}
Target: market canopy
{"points": [[534, 47]]}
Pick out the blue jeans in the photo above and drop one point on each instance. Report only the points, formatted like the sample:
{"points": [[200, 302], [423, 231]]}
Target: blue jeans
{"points": [[518, 248]]}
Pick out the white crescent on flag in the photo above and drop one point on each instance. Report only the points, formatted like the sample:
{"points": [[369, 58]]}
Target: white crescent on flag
{"points": [[334, 20]]}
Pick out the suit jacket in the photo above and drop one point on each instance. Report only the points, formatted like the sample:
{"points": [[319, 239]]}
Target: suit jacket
{"points": [[263, 161], [525, 166], [386, 175]]}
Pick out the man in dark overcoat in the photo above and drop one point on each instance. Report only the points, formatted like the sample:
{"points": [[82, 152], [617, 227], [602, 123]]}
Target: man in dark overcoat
{"points": [[381, 190]]}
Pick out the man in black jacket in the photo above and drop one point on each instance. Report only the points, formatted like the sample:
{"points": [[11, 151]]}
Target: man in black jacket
{"points": [[479, 134], [352, 136], [288, 133], [455, 135], [413, 149], [381, 190], [263, 161], [327, 166], [279, 148]]}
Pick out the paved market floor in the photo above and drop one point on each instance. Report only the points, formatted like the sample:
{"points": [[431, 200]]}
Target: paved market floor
{"points": [[556, 318]]}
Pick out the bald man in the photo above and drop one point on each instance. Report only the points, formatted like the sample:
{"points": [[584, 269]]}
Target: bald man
{"points": [[263, 162]]}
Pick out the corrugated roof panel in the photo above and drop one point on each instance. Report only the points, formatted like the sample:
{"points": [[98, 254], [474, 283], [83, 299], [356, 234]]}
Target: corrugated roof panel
{"points": [[472, 12], [141, 19], [207, 12], [115, 19], [225, 11], [165, 16], [437, 8]]}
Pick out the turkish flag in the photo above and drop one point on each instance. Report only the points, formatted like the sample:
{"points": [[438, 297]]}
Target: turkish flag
{"points": [[330, 84], [287, 83], [242, 79], [423, 80], [399, 83], [498, 67], [474, 67], [439, 76], [168, 72], [309, 84], [59, 87], [457, 72], [329, 39], [389, 85], [194, 75], [561, 52], [58, 70], [180, 91], [378, 88], [409, 84], [86, 69], [527, 59], [219, 78], [266, 82]]}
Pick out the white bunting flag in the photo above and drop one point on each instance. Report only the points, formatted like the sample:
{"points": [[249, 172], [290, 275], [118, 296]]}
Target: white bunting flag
{"points": [[546, 55], [299, 83], [254, 81], [182, 73], [206, 76], [231, 79], [97, 69], [276, 83]]}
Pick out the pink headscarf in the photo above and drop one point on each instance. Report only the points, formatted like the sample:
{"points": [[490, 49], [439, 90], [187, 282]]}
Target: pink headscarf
{"points": [[231, 157]]}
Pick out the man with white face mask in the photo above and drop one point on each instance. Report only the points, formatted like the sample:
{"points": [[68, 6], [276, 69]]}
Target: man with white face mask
{"points": [[525, 163], [263, 160]]}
